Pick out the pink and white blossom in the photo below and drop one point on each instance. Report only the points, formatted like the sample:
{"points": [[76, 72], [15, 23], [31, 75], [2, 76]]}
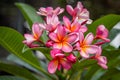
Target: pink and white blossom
{"points": [[84, 45]]}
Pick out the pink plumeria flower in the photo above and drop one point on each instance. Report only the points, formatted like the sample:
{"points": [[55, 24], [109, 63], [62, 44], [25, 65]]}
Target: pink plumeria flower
{"points": [[102, 60], [73, 27], [51, 23], [102, 33], [49, 11], [37, 32], [79, 12], [59, 60], [84, 45], [62, 40]]}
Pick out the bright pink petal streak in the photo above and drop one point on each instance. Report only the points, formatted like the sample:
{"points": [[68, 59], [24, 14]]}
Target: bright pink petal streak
{"points": [[81, 37], [53, 37], [71, 38], [89, 38], [66, 47], [61, 32], [36, 30], [69, 9], [65, 63], [67, 22], [52, 66]]}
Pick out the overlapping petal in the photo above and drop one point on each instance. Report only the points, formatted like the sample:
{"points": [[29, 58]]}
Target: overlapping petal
{"points": [[52, 66], [66, 47]]}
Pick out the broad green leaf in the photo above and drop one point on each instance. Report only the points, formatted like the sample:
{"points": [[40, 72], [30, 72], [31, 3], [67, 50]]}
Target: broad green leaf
{"points": [[78, 66], [109, 21], [11, 40], [18, 71], [11, 78], [44, 50], [29, 13]]}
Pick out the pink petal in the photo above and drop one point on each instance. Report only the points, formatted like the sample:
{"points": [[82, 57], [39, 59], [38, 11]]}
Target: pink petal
{"points": [[102, 31], [79, 5], [53, 37], [54, 52], [57, 45], [65, 63], [104, 66], [83, 28], [102, 59], [36, 30], [75, 27], [52, 66], [66, 47], [29, 38], [71, 58], [59, 66], [58, 11], [60, 32], [66, 22], [71, 38], [69, 9], [84, 54], [88, 39], [81, 37], [92, 49]]}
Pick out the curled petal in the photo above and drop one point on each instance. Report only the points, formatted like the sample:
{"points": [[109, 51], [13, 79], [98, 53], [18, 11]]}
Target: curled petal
{"points": [[88, 39], [58, 10], [104, 66], [69, 9], [79, 5], [52, 66], [65, 63], [71, 58], [53, 37], [102, 31], [102, 59], [66, 47], [54, 52]]}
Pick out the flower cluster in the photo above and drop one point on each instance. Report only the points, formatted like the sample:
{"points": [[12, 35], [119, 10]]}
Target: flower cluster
{"points": [[67, 37]]}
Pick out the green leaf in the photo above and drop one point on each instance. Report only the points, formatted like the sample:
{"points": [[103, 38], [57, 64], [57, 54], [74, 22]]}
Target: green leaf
{"points": [[45, 51], [109, 21], [95, 72], [29, 13], [11, 40], [11, 78], [18, 71]]}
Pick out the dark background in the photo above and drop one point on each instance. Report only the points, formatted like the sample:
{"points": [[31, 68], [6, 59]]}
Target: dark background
{"points": [[10, 15]]}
